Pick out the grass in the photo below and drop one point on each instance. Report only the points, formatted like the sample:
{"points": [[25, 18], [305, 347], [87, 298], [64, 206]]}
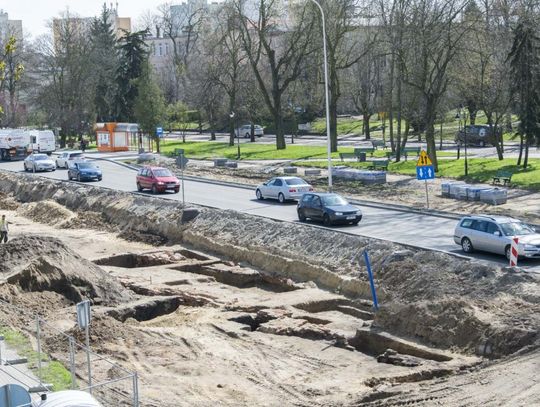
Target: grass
{"points": [[51, 371], [249, 151], [480, 170]]}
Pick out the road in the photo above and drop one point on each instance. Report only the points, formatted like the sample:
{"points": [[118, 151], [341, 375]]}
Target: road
{"points": [[416, 229]]}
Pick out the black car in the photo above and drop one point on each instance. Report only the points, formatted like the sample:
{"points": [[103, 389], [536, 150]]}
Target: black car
{"points": [[84, 171], [476, 135], [330, 208]]}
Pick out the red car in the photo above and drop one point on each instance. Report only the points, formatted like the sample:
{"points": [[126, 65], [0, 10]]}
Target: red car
{"points": [[157, 179]]}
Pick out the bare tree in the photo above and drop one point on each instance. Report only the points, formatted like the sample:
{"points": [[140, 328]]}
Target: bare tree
{"points": [[276, 43]]}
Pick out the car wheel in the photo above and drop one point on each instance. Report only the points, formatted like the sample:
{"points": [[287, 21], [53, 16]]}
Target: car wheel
{"points": [[466, 245], [139, 187], [79, 177], [281, 198], [69, 177], [154, 189], [326, 220], [248, 135], [301, 216], [508, 252], [258, 193], [176, 190]]}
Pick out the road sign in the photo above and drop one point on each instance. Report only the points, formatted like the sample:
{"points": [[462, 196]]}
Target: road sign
{"points": [[182, 161], [423, 160], [159, 131], [425, 172], [83, 314]]}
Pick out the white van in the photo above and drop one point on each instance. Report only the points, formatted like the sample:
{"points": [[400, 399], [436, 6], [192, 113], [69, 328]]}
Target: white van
{"points": [[42, 141]]}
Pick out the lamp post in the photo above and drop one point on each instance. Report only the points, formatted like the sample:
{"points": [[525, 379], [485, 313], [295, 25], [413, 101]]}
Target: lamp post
{"points": [[464, 137], [326, 93]]}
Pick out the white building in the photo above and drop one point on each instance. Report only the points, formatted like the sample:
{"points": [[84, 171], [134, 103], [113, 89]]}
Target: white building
{"points": [[9, 27]]}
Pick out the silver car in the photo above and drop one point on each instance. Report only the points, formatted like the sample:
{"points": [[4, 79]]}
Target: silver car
{"points": [[39, 162], [283, 189], [494, 234], [245, 131]]}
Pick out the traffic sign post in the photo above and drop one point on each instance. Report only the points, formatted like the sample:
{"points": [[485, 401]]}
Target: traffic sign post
{"points": [[83, 320], [425, 171], [159, 132]]}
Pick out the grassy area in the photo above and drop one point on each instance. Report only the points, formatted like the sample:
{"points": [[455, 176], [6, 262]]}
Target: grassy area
{"points": [[51, 371], [480, 170], [249, 151]]}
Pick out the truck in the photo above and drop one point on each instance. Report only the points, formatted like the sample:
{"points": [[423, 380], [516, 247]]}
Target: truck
{"points": [[13, 144], [41, 141]]}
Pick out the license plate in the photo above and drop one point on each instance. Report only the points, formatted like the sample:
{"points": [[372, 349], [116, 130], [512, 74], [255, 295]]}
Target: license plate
{"points": [[351, 217]]}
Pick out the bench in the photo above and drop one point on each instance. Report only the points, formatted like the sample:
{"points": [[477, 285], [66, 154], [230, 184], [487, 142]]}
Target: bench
{"points": [[178, 151], [365, 150], [502, 177], [378, 143], [378, 165], [347, 155], [404, 153]]}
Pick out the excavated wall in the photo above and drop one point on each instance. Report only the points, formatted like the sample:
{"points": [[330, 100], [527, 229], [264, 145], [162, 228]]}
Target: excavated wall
{"points": [[437, 298]]}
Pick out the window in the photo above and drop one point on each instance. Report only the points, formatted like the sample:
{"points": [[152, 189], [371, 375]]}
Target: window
{"points": [[278, 183], [466, 223], [162, 172], [160, 49], [295, 181], [307, 198], [166, 49], [516, 229], [316, 201], [332, 200], [480, 225], [144, 171], [492, 228]]}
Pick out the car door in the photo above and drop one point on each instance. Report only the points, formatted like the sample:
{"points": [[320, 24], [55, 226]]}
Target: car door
{"points": [[479, 236], [71, 172], [146, 178], [276, 187], [266, 187], [495, 241], [316, 208]]}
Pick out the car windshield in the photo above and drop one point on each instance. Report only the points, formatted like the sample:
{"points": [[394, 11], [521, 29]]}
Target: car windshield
{"points": [[516, 228], [75, 154], [162, 172], [40, 157], [295, 181], [87, 165], [333, 200]]}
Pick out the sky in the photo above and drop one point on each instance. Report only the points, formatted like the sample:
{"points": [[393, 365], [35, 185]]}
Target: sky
{"points": [[36, 13]]}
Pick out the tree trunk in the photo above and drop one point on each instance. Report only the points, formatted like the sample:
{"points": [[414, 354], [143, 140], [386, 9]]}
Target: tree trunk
{"points": [[391, 103], [278, 124], [520, 150], [526, 158], [365, 119], [252, 133], [430, 135], [333, 123]]}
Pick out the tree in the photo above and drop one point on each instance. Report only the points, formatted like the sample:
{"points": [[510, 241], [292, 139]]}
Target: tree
{"points": [[524, 60], [276, 51], [104, 59], [149, 106], [133, 56], [11, 71]]}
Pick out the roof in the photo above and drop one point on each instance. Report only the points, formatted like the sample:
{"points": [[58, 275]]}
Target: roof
{"points": [[495, 218], [69, 398]]}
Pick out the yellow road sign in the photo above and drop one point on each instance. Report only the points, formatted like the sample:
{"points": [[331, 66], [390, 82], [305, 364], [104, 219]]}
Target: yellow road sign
{"points": [[423, 160]]}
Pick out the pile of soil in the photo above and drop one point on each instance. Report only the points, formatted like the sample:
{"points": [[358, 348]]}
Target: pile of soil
{"points": [[37, 263], [8, 203], [48, 212]]}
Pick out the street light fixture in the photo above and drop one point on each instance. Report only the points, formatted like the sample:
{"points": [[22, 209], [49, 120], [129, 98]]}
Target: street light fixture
{"points": [[326, 92]]}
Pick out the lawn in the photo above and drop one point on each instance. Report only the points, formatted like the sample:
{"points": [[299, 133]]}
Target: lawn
{"points": [[256, 151], [480, 169]]}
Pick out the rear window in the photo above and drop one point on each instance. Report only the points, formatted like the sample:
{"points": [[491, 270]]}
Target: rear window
{"points": [[73, 155], [295, 181], [466, 223]]}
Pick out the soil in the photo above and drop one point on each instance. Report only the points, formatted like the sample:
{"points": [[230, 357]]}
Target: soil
{"points": [[272, 314]]}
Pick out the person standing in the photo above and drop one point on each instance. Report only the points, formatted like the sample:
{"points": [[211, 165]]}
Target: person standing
{"points": [[3, 229]]}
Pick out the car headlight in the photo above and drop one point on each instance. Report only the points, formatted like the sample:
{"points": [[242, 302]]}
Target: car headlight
{"points": [[339, 213], [528, 247], [161, 183]]}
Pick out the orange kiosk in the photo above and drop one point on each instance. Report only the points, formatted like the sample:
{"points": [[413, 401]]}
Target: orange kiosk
{"points": [[116, 136]]}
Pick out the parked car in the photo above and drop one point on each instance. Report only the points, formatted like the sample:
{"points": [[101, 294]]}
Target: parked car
{"points": [[283, 189], [62, 161], [84, 171], [157, 179], [39, 162], [494, 234], [245, 131], [330, 208], [475, 135]]}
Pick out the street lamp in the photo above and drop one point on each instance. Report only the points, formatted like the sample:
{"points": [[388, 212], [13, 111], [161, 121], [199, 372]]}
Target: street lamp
{"points": [[235, 130], [464, 137], [326, 92]]}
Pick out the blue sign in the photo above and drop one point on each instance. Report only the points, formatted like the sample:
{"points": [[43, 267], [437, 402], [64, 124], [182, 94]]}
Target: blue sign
{"points": [[425, 172], [159, 131]]}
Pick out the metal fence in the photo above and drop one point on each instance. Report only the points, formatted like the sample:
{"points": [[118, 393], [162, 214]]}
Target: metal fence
{"points": [[57, 358]]}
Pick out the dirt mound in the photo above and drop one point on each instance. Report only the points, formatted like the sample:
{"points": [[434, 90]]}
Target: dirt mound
{"points": [[48, 212], [89, 220], [33, 263], [8, 203]]}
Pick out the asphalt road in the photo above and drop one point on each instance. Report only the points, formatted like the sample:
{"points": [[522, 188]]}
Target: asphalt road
{"points": [[410, 228]]}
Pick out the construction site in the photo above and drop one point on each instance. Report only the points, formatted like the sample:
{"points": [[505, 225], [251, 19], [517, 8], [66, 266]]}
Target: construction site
{"points": [[217, 307]]}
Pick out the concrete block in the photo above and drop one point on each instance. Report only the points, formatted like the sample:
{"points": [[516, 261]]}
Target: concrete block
{"points": [[290, 170], [220, 162], [231, 164], [312, 172]]}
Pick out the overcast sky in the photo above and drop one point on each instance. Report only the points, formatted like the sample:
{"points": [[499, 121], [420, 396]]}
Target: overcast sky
{"points": [[35, 13]]}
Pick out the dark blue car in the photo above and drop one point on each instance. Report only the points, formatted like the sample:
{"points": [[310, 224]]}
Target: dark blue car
{"points": [[330, 208], [84, 171]]}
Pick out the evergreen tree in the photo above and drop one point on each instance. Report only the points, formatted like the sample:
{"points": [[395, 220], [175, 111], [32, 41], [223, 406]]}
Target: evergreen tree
{"points": [[105, 62], [133, 56], [524, 62]]}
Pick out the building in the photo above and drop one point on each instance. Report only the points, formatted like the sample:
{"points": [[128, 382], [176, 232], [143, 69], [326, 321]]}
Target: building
{"points": [[9, 27]]}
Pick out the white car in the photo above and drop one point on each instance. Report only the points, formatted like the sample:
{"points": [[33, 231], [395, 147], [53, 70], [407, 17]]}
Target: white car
{"points": [[245, 131], [39, 162], [283, 189], [63, 160]]}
